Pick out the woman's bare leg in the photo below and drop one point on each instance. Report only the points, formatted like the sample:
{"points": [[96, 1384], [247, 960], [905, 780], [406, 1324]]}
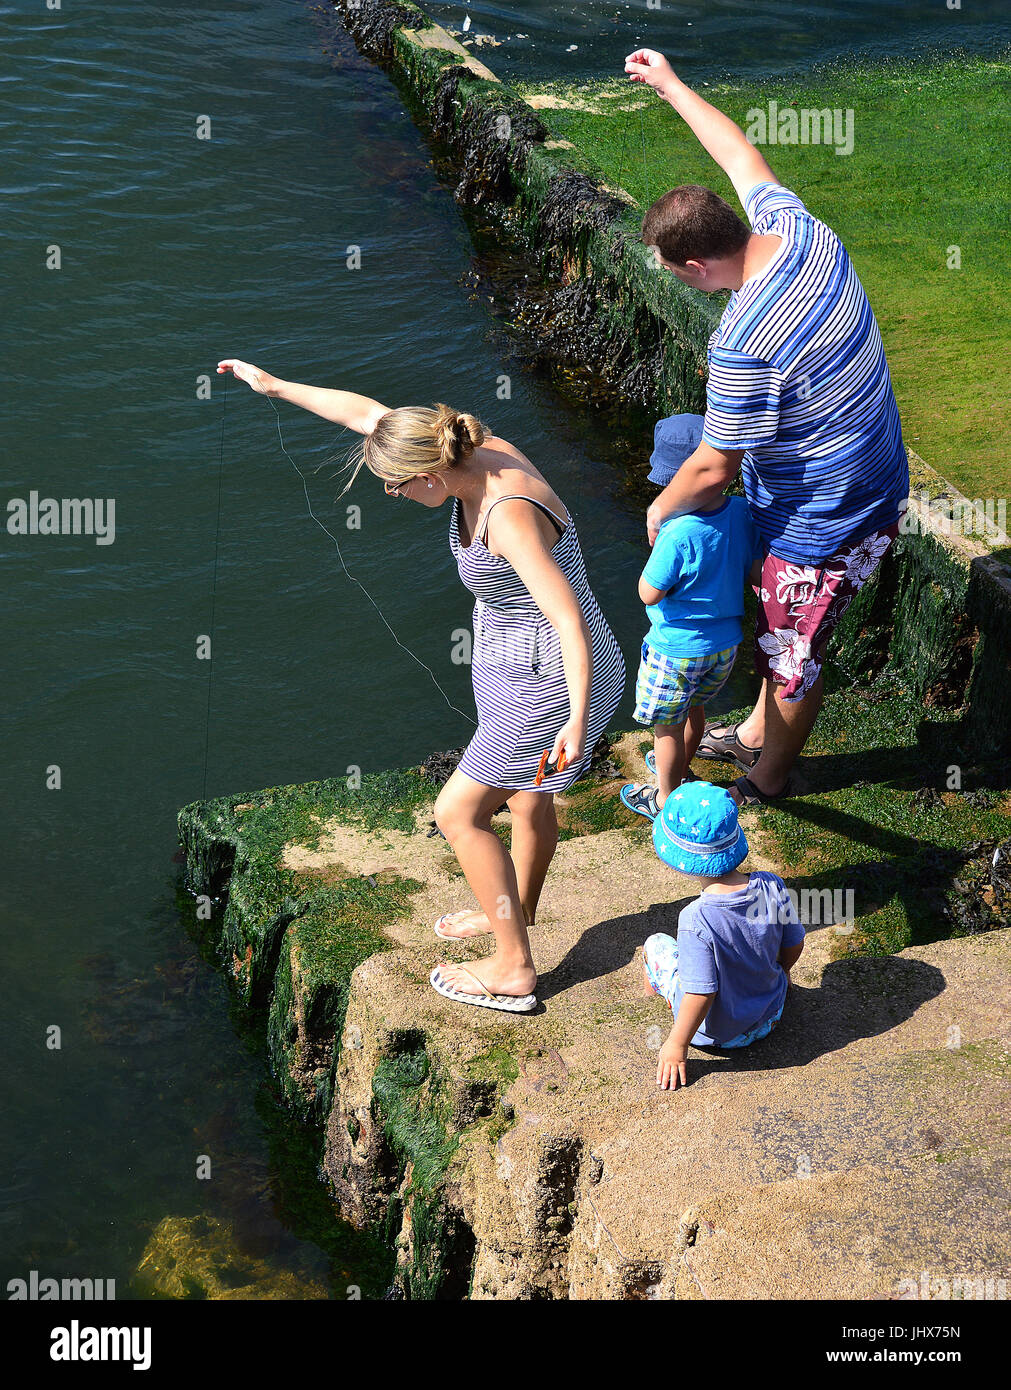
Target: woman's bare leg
{"points": [[463, 813], [534, 839]]}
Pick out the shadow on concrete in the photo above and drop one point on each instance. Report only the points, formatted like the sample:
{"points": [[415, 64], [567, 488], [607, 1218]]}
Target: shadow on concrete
{"points": [[862, 997]]}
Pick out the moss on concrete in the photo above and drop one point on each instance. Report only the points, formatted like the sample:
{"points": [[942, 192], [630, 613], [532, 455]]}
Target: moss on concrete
{"points": [[412, 1102], [361, 1265], [238, 842], [340, 927], [497, 1064], [590, 807]]}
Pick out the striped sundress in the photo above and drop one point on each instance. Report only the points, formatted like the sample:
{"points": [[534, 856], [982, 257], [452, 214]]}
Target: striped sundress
{"points": [[519, 682]]}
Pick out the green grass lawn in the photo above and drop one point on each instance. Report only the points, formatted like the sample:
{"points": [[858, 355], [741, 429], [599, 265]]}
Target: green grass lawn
{"points": [[929, 170]]}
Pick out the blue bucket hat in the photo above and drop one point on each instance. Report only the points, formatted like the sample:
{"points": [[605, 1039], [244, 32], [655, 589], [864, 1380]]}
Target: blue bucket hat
{"points": [[697, 832], [674, 439]]}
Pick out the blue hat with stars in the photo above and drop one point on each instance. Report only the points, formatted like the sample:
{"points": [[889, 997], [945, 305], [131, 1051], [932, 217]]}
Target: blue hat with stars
{"points": [[675, 439], [697, 832]]}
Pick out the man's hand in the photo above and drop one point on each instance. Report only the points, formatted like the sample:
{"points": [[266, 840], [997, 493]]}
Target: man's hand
{"points": [[672, 1065], [646, 65], [654, 520], [698, 484], [715, 132]]}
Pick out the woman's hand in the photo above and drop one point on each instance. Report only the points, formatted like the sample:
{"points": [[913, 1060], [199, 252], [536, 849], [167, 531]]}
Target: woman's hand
{"points": [[570, 739], [646, 65], [254, 377]]}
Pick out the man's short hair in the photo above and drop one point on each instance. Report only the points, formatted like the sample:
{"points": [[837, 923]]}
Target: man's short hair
{"points": [[692, 223]]}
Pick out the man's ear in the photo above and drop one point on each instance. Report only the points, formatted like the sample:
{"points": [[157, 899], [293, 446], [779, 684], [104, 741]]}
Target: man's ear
{"points": [[697, 268]]}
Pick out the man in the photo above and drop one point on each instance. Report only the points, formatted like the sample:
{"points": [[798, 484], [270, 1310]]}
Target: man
{"points": [[799, 395]]}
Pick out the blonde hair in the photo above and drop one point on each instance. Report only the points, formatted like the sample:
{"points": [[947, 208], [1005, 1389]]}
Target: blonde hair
{"points": [[417, 439]]}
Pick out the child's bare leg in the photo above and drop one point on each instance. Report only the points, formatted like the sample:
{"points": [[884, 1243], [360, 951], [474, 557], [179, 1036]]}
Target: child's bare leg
{"points": [[669, 751], [694, 729]]}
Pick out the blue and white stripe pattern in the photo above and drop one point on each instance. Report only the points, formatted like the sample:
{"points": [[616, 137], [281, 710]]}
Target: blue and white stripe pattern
{"points": [[519, 681], [798, 378]]}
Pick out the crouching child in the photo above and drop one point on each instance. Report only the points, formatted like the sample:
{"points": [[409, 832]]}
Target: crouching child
{"points": [[725, 976]]}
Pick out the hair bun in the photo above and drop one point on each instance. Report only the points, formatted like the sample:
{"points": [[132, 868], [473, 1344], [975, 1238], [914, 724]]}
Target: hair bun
{"points": [[457, 434]]}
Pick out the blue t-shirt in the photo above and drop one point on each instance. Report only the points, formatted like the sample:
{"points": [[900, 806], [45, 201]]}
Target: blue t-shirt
{"points": [[702, 559], [798, 379], [728, 944]]}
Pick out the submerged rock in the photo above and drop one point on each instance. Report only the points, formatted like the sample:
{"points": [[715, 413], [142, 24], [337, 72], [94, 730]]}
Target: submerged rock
{"points": [[199, 1257]]}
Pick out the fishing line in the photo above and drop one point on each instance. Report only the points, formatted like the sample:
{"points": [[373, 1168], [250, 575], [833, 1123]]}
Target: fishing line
{"points": [[214, 585], [624, 141], [353, 578], [645, 172]]}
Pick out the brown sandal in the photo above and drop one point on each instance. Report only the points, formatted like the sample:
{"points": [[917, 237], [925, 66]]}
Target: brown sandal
{"points": [[754, 796], [720, 743]]}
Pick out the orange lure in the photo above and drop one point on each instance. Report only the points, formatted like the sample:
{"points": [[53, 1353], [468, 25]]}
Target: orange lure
{"points": [[543, 766]]}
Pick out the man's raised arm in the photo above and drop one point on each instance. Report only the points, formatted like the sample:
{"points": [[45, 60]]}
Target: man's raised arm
{"points": [[715, 132]]}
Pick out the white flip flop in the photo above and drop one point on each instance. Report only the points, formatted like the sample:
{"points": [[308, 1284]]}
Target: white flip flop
{"points": [[508, 1003], [445, 936]]}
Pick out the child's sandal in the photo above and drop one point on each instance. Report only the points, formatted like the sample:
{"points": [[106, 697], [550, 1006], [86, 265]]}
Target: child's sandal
{"points": [[641, 798]]}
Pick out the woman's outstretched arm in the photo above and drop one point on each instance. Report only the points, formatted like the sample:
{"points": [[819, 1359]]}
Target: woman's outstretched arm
{"points": [[359, 413]]}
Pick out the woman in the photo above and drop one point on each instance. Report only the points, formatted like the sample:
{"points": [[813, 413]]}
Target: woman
{"points": [[547, 671]]}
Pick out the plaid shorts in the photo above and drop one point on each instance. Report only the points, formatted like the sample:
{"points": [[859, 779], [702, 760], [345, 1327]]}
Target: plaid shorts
{"points": [[800, 605], [667, 687]]}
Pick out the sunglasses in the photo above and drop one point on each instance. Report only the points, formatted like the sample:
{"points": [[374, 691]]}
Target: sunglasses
{"points": [[393, 490]]}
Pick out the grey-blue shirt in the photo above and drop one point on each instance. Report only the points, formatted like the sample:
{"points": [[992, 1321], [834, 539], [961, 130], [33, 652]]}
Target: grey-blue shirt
{"points": [[728, 944]]}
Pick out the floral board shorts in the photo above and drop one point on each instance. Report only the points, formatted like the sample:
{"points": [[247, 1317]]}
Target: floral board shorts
{"points": [[667, 687], [660, 957], [799, 606]]}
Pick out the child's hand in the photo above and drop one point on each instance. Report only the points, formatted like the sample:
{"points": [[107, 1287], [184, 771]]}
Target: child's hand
{"points": [[671, 1065]]}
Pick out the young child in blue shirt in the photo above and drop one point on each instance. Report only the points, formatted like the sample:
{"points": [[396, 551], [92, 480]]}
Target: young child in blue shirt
{"points": [[693, 588], [725, 976]]}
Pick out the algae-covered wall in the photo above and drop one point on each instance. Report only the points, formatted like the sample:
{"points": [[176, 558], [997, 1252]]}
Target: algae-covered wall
{"points": [[612, 309], [938, 611]]}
